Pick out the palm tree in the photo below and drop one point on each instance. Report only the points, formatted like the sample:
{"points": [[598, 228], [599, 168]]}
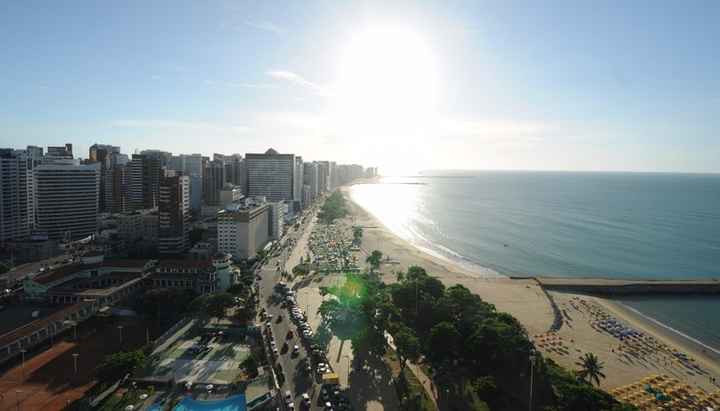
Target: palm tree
{"points": [[374, 259], [590, 368]]}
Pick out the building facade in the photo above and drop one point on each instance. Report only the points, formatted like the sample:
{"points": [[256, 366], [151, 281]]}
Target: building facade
{"points": [[16, 195], [66, 197], [243, 228], [271, 175], [213, 182], [174, 215]]}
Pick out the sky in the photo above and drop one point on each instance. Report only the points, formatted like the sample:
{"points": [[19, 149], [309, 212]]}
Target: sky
{"points": [[405, 86]]}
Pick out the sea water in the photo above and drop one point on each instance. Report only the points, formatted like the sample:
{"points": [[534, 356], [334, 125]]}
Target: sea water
{"points": [[611, 225]]}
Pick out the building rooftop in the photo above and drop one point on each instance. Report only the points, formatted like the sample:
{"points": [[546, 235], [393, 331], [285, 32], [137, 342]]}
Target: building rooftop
{"points": [[184, 264], [15, 316], [58, 273], [126, 263]]}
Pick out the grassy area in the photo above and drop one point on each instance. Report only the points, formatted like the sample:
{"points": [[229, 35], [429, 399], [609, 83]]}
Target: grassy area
{"points": [[410, 391]]}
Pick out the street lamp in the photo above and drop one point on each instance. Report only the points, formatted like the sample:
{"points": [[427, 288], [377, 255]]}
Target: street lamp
{"points": [[17, 393], [532, 375], [22, 367], [75, 360]]}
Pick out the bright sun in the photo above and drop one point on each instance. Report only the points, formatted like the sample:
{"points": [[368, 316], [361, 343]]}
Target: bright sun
{"points": [[386, 80]]}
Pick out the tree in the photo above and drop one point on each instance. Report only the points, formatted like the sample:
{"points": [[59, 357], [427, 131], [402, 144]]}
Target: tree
{"points": [[444, 338], [212, 305], [250, 365], [357, 234], [217, 304], [164, 303], [407, 345], [374, 259], [333, 208], [115, 366], [238, 289], [590, 368]]}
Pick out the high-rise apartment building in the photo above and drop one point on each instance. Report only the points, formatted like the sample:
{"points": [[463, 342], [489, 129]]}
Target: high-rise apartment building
{"points": [[271, 175], [174, 214], [213, 182], [143, 182], [66, 198], [323, 176], [108, 157], [298, 180], [311, 178], [135, 183], [119, 202], [152, 171], [235, 171], [16, 195]]}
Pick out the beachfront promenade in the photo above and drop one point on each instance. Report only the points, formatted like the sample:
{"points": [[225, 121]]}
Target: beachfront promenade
{"points": [[626, 287]]}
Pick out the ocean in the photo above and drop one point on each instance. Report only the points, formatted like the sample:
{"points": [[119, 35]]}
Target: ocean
{"points": [[611, 225]]}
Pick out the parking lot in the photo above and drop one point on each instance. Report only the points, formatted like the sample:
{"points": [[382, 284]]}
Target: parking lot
{"points": [[200, 356]]}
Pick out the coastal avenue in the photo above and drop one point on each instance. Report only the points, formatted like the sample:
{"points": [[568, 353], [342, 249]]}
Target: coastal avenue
{"points": [[296, 380]]}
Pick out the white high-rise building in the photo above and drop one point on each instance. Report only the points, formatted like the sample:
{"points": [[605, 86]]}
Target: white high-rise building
{"points": [[135, 183], [66, 198], [243, 228], [272, 175]]}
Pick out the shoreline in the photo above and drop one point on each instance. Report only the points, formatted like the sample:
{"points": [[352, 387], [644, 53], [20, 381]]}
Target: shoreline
{"points": [[699, 350], [525, 299]]}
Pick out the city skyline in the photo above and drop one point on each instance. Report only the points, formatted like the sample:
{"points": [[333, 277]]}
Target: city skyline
{"points": [[406, 87]]}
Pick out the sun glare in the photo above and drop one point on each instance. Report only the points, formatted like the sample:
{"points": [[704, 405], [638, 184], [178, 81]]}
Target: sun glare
{"points": [[386, 80]]}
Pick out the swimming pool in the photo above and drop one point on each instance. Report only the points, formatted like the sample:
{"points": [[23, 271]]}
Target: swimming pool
{"points": [[234, 403]]}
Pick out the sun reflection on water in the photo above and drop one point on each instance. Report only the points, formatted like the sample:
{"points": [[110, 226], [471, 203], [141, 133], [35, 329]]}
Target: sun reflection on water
{"points": [[395, 203]]}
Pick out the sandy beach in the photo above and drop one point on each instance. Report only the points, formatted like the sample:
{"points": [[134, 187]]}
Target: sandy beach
{"points": [[625, 361]]}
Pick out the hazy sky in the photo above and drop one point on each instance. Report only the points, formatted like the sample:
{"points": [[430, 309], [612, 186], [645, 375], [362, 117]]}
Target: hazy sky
{"points": [[586, 85]]}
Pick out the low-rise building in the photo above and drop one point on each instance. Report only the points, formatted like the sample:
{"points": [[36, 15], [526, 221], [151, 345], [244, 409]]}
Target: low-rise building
{"points": [[244, 227], [90, 278], [197, 275]]}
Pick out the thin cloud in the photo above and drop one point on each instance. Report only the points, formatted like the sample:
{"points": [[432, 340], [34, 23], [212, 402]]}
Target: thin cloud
{"points": [[265, 26], [239, 85], [183, 126], [299, 80]]}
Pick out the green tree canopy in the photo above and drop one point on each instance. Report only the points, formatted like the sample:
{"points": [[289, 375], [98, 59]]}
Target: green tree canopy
{"points": [[374, 259], [333, 208], [407, 345], [212, 305], [115, 366]]}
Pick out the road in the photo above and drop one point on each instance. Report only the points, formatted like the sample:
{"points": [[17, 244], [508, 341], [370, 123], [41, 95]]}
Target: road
{"points": [[296, 380]]}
